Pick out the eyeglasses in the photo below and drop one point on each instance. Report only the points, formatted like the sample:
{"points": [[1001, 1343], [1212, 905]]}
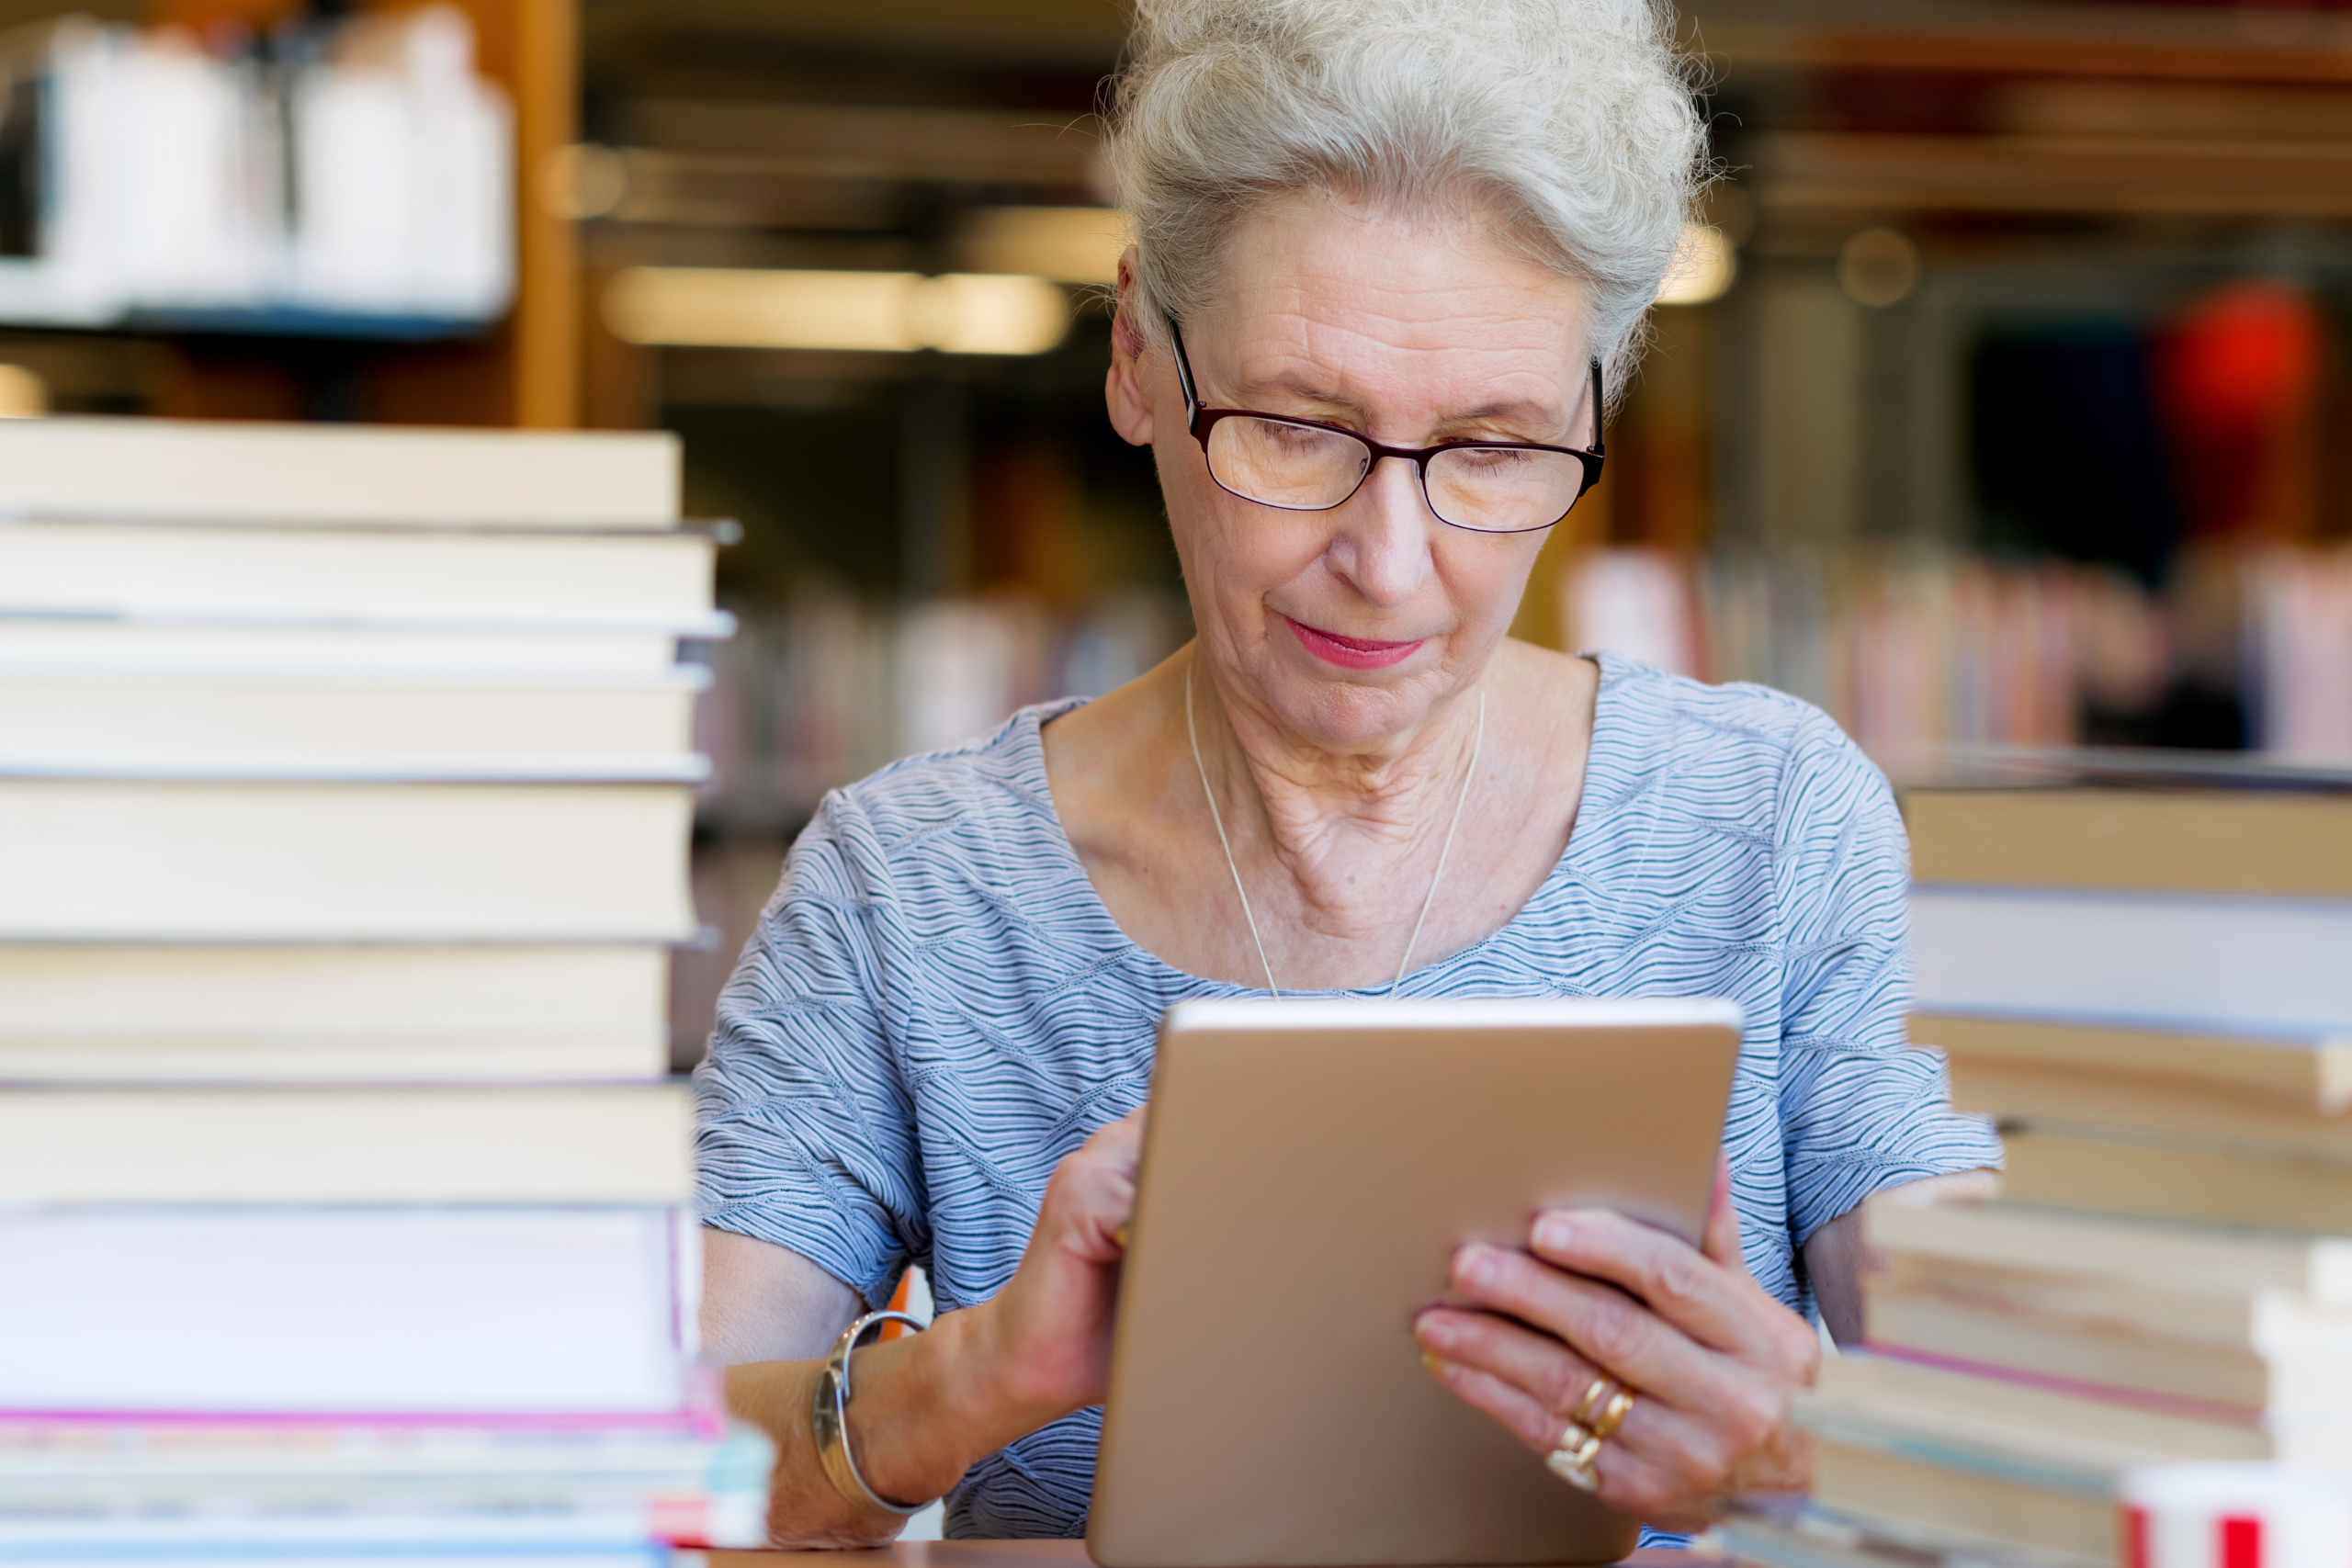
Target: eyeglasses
{"points": [[1305, 465]]}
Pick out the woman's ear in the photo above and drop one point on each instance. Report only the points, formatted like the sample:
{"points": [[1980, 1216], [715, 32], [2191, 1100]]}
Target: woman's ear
{"points": [[1123, 389]]}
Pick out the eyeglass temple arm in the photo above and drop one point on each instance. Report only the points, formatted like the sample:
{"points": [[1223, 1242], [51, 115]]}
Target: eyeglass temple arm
{"points": [[1600, 405], [1183, 367]]}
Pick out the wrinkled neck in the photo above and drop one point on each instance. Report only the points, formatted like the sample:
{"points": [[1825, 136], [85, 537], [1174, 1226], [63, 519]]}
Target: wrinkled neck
{"points": [[1340, 825]]}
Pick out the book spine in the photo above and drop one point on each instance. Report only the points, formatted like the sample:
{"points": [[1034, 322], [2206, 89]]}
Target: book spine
{"points": [[2195, 1409]]}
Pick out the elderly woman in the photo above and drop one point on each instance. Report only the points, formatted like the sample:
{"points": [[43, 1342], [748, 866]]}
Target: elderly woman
{"points": [[1389, 254]]}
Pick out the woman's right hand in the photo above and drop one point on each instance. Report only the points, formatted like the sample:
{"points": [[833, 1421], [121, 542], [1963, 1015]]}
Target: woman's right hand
{"points": [[1044, 1342], [930, 1406]]}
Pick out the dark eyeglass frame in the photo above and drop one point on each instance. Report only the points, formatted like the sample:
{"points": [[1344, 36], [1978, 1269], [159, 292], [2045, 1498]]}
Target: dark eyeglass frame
{"points": [[1200, 419]]}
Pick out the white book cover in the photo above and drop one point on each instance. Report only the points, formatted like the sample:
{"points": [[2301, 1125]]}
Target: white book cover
{"points": [[389, 1311], [575, 580], [2276, 967], [193, 1148]]}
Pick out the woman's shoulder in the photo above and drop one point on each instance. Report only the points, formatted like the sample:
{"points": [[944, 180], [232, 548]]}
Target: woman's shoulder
{"points": [[1735, 746], [986, 795], [1658, 701]]}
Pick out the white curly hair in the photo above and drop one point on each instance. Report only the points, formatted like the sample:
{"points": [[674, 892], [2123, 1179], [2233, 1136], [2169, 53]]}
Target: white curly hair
{"points": [[1573, 122]]}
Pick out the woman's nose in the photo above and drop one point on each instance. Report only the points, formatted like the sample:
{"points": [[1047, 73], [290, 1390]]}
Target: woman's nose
{"points": [[1383, 544]]}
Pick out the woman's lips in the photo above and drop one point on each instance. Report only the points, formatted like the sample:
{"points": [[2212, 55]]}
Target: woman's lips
{"points": [[1353, 652]]}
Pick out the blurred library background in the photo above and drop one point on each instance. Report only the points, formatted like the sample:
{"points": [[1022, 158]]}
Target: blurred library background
{"points": [[2003, 400]]}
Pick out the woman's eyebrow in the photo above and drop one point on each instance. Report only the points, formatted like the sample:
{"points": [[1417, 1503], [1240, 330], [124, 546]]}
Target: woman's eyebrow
{"points": [[1541, 415], [1306, 391], [1527, 411]]}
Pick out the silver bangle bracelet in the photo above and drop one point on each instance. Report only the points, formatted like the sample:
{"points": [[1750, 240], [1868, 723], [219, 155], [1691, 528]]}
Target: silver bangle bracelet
{"points": [[828, 1417]]}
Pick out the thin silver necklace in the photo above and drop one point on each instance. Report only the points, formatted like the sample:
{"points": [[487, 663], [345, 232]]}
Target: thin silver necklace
{"points": [[1477, 744]]}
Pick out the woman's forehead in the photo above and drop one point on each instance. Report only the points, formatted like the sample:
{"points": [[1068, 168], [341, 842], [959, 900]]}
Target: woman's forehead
{"points": [[1372, 383], [1335, 303]]}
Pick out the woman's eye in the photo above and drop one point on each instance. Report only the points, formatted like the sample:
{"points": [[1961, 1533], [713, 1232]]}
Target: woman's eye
{"points": [[1489, 459], [1300, 441]]}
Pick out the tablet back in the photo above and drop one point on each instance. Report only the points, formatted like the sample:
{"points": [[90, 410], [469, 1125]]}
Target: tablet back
{"points": [[1308, 1168]]}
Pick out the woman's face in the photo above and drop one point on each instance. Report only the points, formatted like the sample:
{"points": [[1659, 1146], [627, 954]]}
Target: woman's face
{"points": [[1346, 625]]}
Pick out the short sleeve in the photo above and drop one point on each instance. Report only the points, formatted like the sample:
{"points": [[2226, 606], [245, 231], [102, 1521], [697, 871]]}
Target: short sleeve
{"points": [[805, 1131], [1860, 1109]]}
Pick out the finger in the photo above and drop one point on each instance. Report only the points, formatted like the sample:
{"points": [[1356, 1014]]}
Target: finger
{"points": [[1102, 1203], [1091, 1197], [1699, 1457], [1521, 1415], [1633, 1483], [1121, 1143], [1657, 1481], [1700, 1448], [1546, 1370], [1718, 1307], [1602, 1324], [1118, 1141], [1677, 1471], [1633, 1478], [1721, 1239]]}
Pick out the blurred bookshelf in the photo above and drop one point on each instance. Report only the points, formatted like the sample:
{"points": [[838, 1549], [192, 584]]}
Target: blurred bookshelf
{"points": [[249, 209], [2022, 420]]}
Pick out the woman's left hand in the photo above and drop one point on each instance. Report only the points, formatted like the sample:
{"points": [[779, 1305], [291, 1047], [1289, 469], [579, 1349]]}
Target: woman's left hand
{"points": [[1712, 1359]]}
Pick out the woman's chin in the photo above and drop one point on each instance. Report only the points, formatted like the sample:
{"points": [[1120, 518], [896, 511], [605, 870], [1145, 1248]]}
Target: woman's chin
{"points": [[1340, 712]]}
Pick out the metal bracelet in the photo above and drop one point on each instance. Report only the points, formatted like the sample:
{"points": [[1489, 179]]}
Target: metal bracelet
{"points": [[828, 1417]]}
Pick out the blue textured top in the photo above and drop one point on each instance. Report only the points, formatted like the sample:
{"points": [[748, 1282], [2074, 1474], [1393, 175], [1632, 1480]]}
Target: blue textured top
{"points": [[936, 1006]]}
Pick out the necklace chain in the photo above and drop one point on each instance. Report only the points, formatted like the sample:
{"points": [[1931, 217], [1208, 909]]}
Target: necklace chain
{"points": [[1477, 745]]}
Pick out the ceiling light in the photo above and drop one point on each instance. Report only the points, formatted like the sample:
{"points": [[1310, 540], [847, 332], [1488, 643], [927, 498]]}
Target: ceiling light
{"points": [[583, 181], [1704, 267], [1069, 244], [891, 312], [986, 312], [23, 395]]}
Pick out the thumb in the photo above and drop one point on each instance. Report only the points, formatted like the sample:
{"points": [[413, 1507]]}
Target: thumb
{"points": [[1721, 1242]]}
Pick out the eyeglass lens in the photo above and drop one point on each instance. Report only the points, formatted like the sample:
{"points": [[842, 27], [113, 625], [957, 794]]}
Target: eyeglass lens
{"points": [[1303, 469]]}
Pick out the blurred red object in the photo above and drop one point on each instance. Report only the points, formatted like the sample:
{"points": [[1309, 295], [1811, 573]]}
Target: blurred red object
{"points": [[2237, 378]]}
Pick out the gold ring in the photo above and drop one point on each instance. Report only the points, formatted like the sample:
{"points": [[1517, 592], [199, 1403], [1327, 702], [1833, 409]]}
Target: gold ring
{"points": [[1598, 1414], [1613, 1415], [1594, 1398], [1572, 1459]]}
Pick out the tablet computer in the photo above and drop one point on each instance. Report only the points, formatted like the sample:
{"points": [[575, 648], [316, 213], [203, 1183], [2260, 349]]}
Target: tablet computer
{"points": [[1308, 1168]]}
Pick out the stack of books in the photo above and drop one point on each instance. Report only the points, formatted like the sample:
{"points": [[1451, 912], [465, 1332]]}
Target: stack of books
{"points": [[2151, 990], [346, 791]]}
